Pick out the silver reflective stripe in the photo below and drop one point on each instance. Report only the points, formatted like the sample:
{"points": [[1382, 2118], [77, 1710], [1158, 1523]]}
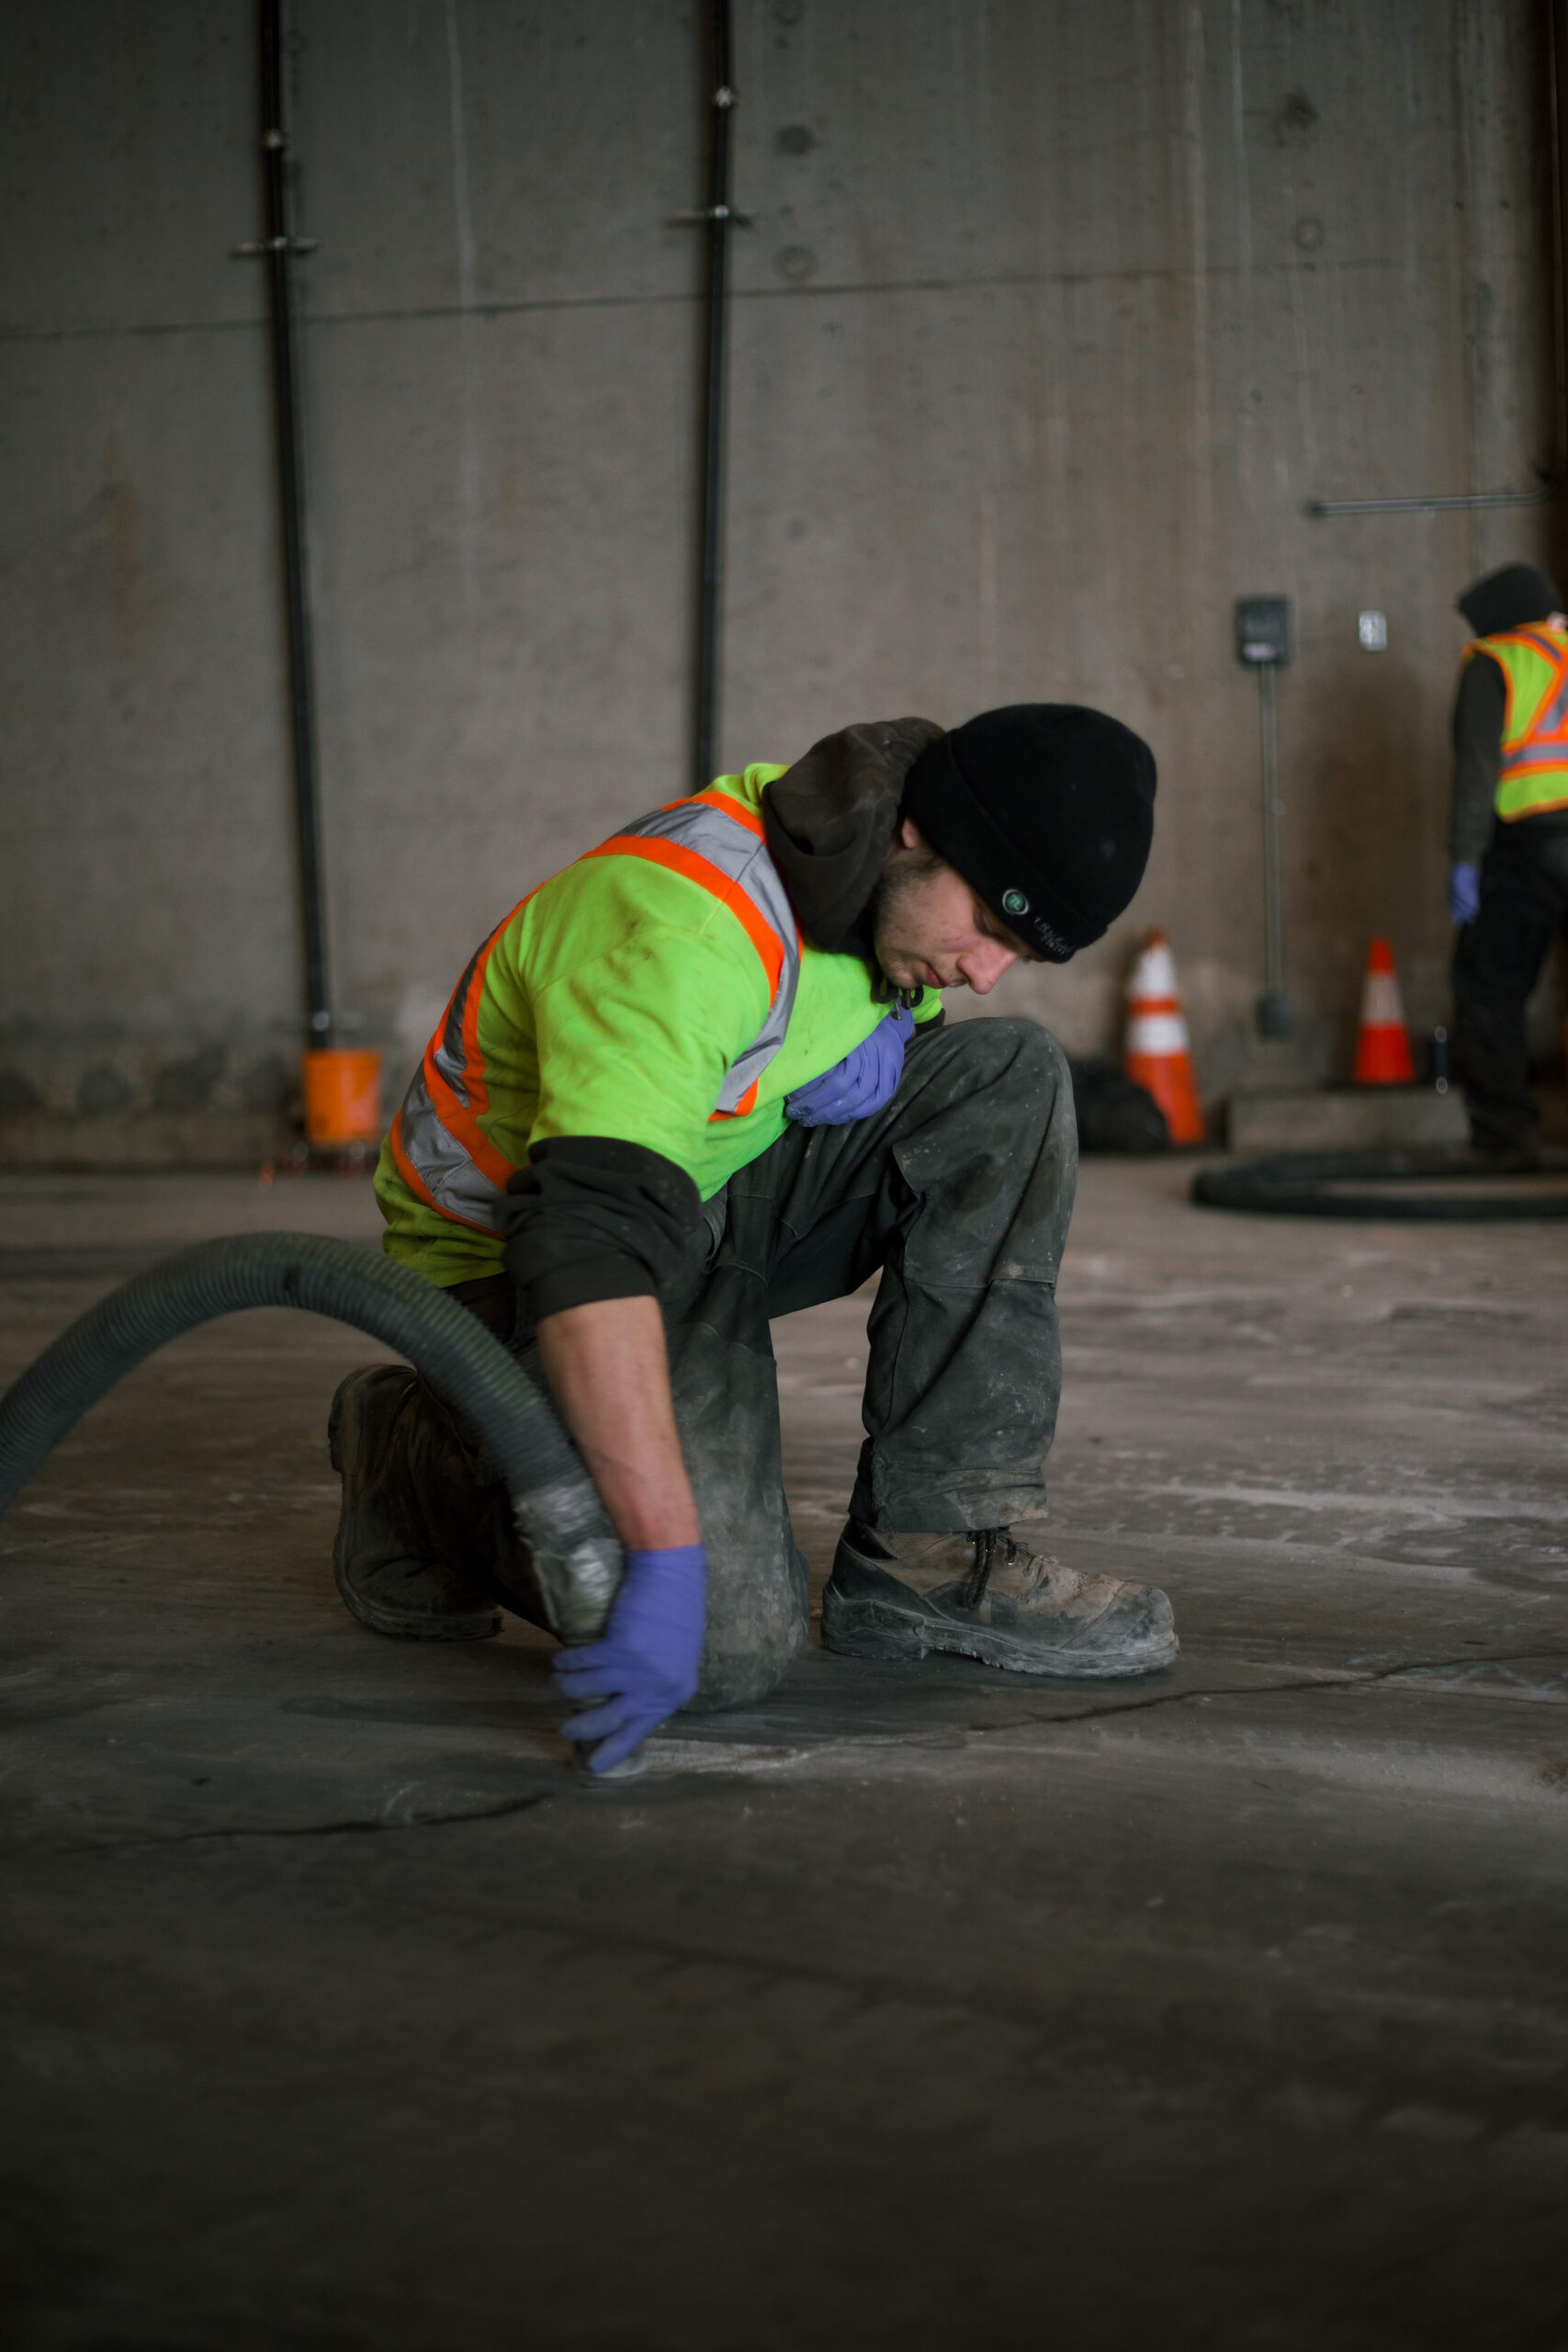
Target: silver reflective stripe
{"points": [[735, 852], [443, 1164], [445, 1169]]}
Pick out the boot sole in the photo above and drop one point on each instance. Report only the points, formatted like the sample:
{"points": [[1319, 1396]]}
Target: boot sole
{"points": [[868, 1629], [411, 1626], [402, 1624]]}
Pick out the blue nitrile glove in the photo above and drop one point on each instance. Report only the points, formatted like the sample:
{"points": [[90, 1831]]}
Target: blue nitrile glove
{"points": [[861, 1082], [1464, 892], [644, 1663]]}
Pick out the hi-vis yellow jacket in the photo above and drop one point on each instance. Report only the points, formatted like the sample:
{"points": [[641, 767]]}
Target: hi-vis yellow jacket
{"points": [[656, 992]]}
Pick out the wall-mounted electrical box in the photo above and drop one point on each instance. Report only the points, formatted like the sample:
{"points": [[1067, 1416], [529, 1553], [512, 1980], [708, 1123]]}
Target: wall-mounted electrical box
{"points": [[1263, 629]]}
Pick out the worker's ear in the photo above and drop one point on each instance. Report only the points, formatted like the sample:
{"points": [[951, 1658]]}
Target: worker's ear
{"points": [[910, 834]]}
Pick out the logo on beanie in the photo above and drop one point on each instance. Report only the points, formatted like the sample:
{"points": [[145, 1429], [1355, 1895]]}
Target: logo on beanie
{"points": [[1015, 902]]}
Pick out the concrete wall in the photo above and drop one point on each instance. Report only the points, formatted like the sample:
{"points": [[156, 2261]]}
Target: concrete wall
{"points": [[1051, 319]]}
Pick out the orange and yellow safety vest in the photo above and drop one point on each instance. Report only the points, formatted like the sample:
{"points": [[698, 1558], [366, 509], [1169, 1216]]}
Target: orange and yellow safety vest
{"points": [[442, 1150], [1533, 775]]}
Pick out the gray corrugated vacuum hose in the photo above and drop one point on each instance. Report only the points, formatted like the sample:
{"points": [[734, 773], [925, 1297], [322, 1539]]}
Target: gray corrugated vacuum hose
{"points": [[555, 1503]]}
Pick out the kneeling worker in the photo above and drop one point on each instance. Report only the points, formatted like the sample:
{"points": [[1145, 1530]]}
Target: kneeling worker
{"points": [[696, 1080]]}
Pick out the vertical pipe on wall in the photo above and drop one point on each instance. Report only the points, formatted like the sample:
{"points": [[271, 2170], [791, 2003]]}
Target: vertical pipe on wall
{"points": [[717, 220], [1554, 14], [280, 250], [1273, 916]]}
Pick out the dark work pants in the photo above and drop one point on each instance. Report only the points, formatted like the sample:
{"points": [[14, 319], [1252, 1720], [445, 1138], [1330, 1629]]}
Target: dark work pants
{"points": [[960, 1190], [1497, 961]]}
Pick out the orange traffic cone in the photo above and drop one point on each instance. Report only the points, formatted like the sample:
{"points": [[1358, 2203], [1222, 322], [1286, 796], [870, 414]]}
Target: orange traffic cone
{"points": [[1382, 1050], [1156, 1053]]}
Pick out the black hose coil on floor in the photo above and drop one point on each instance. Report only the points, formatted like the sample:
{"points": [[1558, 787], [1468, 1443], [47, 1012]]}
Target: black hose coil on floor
{"points": [[1436, 1187], [576, 1555]]}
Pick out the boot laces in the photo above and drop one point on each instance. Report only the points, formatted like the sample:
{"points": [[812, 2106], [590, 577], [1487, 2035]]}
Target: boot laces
{"points": [[990, 1542]]}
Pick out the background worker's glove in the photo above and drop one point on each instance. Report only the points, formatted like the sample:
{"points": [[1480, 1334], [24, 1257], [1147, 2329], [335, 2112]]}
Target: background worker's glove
{"points": [[1464, 892], [861, 1082], [644, 1663]]}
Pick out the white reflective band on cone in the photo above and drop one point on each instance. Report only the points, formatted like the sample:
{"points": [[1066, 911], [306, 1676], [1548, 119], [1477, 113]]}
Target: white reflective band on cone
{"points": [[1155, 973], [1381, 1005], [1156, 1033]]}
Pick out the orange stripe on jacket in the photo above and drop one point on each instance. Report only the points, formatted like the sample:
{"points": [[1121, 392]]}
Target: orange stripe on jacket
{"points": [[746, 1104], [1557, 654], [462, 1119], [680, 860], [721, 801]]}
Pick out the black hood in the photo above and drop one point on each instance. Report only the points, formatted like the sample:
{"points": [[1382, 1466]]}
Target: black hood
{"points": [[1510, 598], [829, 821]]}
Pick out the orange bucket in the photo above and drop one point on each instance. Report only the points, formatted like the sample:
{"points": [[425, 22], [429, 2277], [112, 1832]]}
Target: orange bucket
{"points": [[343, 1098]]}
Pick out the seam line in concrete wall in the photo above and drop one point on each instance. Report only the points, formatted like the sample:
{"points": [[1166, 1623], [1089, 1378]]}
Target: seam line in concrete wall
{"points": [[979, 284]]}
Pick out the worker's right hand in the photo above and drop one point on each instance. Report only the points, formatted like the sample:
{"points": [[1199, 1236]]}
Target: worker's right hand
{"points": [[1464, 893], [644, 1664]]}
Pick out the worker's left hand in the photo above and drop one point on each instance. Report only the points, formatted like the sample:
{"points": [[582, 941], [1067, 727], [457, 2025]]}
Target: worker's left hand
{"points": [[861, 1082], [1464, 893], [644, 1664]]}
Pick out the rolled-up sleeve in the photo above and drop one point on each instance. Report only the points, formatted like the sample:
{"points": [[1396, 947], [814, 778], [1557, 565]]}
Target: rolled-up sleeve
{"points": [[633, 1045], [592, 1218]]}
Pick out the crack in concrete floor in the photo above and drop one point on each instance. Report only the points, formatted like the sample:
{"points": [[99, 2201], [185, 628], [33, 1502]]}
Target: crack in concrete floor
{"points": [[370, 1824], [668, 1758]]}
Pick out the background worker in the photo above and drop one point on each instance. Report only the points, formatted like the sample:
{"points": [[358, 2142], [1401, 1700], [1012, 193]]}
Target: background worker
{"points": [[1508, 840], [696, 1080]]}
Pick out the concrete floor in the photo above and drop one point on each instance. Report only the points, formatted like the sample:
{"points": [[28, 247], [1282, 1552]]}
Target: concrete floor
{"points": [[922, 2006]]}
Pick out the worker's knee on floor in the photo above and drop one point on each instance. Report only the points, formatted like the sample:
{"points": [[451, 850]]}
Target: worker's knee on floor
{"points": [[756, 1629]]}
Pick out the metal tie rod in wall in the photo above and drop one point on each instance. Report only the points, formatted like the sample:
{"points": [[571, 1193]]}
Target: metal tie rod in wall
{"points": [[1264, 642], [277, 248], [1431, 505], [717, 216]]}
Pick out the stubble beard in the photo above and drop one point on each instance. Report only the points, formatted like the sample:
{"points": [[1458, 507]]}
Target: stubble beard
{"points": [[901, 876]]}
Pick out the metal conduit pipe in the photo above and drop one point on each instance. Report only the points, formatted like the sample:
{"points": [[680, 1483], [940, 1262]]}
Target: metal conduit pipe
{"points": [[1321, 506], [577, 1557], [717, 221], [278, 249], [1555, 45]]}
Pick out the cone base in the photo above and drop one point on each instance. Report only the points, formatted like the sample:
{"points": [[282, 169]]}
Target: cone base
{"points": [[1382, 1058], [1168, 1077]]}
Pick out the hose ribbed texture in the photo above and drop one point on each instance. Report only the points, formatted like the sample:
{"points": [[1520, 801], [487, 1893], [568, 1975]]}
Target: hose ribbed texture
{"points": [[555, 1504]]}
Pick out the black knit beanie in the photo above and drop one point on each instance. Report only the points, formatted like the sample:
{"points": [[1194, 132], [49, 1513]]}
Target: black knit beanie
{"points": [[1509, 599], [1047, 811]]}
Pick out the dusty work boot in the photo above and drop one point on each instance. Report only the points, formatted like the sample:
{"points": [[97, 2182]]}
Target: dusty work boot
{"points": [[387, 1569], [985, 1596]]}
